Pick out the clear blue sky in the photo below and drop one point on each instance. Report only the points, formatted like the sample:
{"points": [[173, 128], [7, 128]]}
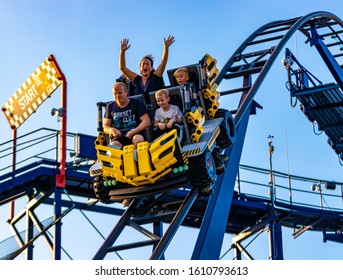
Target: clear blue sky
{"points": [[84, 36]]}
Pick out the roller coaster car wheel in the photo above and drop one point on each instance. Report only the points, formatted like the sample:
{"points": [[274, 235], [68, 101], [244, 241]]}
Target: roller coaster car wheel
{"points": [[101, 192], [203, 172], [227, 135], [220, 163]]}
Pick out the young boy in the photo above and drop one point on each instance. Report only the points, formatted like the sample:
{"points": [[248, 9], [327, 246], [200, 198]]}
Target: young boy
{"points": [[167, 114], [181, 75]]}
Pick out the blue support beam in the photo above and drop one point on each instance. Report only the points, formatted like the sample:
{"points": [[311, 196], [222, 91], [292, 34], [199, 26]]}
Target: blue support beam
{"points": [[335, 237], [209, 243], [29, 235], [117, 230], [162, 245], [332, 64], [275, 240], [58, 225], [158, 230]]}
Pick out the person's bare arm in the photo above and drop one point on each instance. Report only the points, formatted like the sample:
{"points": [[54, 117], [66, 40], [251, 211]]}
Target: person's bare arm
{"points": [[145, 122], [160, 125], [108, 129], [160, 69], [124, 45]]}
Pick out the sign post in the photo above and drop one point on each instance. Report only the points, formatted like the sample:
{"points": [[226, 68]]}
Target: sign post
{"points": [[25, 101]]}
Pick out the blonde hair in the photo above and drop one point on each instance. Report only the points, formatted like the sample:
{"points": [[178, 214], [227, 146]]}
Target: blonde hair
{"points": [[181, 69], [120, 83], [162, 92]]}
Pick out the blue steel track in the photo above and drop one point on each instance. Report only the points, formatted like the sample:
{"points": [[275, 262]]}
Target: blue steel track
{"points": [[229, 209]]}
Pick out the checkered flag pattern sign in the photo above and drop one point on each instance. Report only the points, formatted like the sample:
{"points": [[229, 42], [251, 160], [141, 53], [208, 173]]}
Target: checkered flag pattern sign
{"points": [[31, 94]]}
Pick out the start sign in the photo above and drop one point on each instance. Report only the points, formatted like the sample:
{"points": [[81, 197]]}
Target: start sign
{"points": [[31, 94]]}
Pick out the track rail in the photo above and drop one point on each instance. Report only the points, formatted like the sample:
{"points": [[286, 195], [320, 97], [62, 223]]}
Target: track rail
{"points": [[252, 58]]}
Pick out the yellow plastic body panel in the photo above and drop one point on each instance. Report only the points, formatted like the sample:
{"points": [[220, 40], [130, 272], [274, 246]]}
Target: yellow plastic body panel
{"points": [[100, 139], [211, 92], [144, 163], [141, 166], [130, 168], [160, 157], [197, 119], [111, 159], [197, 134], [212, 71], [213, 96]]}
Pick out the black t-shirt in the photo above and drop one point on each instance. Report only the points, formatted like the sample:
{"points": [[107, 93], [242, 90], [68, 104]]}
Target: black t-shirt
{"points": [[154, 83], [126, 118]]}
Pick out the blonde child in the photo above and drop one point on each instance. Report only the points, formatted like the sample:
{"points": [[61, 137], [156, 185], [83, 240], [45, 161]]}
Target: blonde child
{"points": [[167, 114], [181, 75]]}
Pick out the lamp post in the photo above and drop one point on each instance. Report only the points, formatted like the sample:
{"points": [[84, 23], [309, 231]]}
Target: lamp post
{"points": [[271, 179]]}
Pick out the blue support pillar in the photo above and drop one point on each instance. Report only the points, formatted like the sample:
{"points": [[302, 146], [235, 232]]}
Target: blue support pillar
{"points": [[117, 230], [29, 236], [275, 241], [158, 230], [209, 243], [238, 254], [180, 215], [58, 225]]}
